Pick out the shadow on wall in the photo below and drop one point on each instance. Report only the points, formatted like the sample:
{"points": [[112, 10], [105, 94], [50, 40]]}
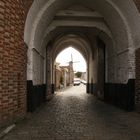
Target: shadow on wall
{"points": [[36, 95], [121, 95]]}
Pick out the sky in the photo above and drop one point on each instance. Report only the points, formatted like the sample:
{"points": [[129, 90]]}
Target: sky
{"points": [[65, 56]]}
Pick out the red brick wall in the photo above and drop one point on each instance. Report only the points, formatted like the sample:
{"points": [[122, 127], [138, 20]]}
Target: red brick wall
{"points": [[12, 61], [138, 79], [137, 2]]}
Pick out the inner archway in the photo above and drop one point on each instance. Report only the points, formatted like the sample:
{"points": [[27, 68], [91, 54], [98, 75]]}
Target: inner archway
{"points": [[62, 43], [84, 24], [70, 68]]}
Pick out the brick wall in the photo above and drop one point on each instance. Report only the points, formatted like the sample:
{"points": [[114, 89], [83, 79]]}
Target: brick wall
{"points": [[138, 79], [137, 53], [12, 61], [137, 2]]}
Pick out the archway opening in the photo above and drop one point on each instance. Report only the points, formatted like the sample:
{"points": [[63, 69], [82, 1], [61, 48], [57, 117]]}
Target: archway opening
{"points": [[70, 69]]}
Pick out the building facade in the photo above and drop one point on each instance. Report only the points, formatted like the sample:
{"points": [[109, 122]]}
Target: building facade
{"points": [[64, 76], [32, 33]]}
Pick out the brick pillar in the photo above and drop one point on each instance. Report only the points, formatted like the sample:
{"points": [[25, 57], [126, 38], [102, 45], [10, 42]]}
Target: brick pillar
{"points": [[137, 2], [138, 79], [12, 61]]}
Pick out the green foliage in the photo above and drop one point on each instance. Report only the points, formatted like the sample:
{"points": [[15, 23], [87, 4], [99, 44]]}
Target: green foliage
{"points": [[78, 74], [61, 80]]}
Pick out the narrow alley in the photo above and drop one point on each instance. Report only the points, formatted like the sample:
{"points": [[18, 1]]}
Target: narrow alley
{"points": [[74, 115]]}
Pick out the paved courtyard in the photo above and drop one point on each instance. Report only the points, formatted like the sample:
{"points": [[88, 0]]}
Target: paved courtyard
{"points": [[75, 115]]}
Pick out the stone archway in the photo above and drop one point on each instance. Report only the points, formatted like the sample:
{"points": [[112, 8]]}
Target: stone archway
{"points": [[78, 42], [58, 17], [118, 12], [120, 19]]}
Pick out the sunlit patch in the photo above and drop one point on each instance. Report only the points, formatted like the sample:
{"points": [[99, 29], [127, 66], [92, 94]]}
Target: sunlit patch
{"points": [[71, 54]]}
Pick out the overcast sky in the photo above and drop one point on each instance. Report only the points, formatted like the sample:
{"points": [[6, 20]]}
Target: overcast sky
{"points": [[65, 56]]}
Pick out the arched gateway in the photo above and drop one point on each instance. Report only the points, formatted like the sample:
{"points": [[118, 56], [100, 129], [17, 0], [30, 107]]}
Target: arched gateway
{"points": [[106, 32]]}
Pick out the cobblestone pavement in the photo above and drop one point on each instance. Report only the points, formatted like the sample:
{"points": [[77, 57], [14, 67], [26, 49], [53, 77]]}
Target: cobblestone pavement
{"points": [[75, 115]]}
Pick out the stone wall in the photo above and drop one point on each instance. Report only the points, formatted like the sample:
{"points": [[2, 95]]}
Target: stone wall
{"points": [[38, 68]]}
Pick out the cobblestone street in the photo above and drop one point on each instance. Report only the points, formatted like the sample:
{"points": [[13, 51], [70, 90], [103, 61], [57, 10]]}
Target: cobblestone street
{"points": [[75, 115]]}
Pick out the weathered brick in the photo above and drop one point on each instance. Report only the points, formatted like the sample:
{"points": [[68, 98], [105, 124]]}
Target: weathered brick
{"points": [[12, 53], [13, 58], [137, 78]]}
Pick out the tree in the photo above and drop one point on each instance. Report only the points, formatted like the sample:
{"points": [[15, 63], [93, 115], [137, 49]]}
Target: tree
{"points": [[78, 74], [61, 80]]}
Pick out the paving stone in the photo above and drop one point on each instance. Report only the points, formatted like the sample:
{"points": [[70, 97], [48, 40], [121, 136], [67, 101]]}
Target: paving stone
{"points": [[74, 115]]}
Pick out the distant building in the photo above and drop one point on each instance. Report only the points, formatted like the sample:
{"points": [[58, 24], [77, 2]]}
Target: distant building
{"points": [[64, 75], [70, 72], [58, 75]]}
